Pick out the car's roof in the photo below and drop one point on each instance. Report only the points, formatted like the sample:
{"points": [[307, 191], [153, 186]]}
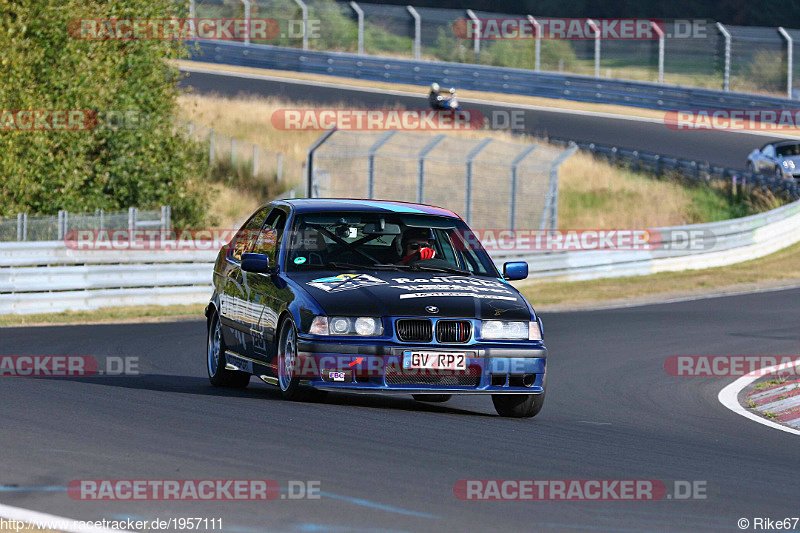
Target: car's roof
{"points": [[303, 205], [781, 143]]}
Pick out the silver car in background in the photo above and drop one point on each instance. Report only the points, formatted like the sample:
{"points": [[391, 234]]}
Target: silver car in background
{"points": [[781, 158]]}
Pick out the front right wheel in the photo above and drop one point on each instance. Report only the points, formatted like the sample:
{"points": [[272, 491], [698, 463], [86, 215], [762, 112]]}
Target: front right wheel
{"points": [[518, 405]]}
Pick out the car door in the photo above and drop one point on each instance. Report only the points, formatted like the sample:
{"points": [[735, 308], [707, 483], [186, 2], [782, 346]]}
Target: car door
{"points": [[234, 312], [768, 159], [268, 295]]}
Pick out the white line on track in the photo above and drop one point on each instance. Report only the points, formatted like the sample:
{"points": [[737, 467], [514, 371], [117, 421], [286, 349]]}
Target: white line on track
{"points": [[57, 522], [597, 114], [729, 397]]}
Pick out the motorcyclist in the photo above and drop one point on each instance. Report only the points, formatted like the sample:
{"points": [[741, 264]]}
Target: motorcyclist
{"points": [[434, 97], [416, 245]]}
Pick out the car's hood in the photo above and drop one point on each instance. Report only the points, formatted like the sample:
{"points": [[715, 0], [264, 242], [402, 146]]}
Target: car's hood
{"points": [[410, 293]]}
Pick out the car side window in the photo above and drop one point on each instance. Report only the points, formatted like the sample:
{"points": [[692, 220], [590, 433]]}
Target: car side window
{"points": [[268, 242], [246, 237], [769, 150]]}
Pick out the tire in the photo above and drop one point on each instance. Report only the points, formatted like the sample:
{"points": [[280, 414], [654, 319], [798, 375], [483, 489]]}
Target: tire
{"points": [[749, 167], [432, 398], [218, 375], [287, 360], [518, 405]]}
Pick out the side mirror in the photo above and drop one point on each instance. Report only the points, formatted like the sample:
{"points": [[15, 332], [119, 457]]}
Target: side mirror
{"points": [[515, 270], [255, 263]]}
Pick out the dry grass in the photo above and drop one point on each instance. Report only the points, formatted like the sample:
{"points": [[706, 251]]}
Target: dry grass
{"points": [[595, 194], [248, 119], [230, 206], [592, 193]]}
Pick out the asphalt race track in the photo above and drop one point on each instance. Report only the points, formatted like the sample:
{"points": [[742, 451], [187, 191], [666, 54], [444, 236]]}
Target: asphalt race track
{"points": [[723, 148], [389, 464]]}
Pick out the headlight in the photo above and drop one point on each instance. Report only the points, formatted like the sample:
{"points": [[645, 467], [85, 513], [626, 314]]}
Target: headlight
{"points": [[345, 325], [506, 330], [366, 327]]}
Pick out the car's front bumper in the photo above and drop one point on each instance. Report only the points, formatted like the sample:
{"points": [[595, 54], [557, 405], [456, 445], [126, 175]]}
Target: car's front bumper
{"points": [[377, 368]]}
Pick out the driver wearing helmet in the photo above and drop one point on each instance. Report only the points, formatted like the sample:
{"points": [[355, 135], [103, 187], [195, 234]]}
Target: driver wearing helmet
{"points": [[434, 98], [416, 245]]}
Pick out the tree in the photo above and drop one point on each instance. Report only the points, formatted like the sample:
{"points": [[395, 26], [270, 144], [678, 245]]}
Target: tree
{"points": [[133, 156]]}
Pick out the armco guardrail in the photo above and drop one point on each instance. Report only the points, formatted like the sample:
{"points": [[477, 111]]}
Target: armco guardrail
{"points": [[48, 277], [735, 241], [483, 78]]}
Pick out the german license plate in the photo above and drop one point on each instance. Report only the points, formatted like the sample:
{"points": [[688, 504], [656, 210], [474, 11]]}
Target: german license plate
{"points": [[434, 360]]}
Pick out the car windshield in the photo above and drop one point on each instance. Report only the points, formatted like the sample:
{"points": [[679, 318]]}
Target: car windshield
{"points": [[385, 241], [788, 150]]}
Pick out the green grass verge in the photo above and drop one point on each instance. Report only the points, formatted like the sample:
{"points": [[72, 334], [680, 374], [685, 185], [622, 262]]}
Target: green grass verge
{"points": [[107, 315]]}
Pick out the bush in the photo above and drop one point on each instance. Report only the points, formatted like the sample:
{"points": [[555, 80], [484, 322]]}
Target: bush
{"points": [[106, 167]]}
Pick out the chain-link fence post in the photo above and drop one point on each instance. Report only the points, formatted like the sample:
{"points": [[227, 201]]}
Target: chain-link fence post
{"points": [[22, 226], [551, 208], [513, 199], [132, 212], [165, 217], [210, 147], [309, 166], [417, 32], [371, 162], [476, 36], [596, 30], [660, 33], [279, 172], [789, 62], [470, 157], [421, 166], [233, 152], [304, 10], [62, 224], [246, 22], [726, 77], [537, 55], [360, 15]]}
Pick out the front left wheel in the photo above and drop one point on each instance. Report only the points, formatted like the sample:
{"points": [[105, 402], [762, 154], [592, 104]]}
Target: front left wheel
{"points": [[288, 367], [218, 375]]}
